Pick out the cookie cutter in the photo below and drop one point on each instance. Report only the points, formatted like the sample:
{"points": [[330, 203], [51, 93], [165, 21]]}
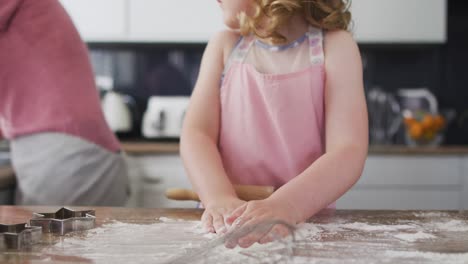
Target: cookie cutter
{"points": [[64, 221], [19, 236]]}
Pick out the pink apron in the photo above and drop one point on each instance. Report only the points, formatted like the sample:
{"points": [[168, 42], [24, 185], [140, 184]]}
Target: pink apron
{"points": [[272, 125]]}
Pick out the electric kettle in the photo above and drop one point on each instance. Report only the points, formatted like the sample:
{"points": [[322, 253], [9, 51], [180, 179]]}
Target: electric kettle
{"points": [[384, 116], [116, 112], [115, 106]]}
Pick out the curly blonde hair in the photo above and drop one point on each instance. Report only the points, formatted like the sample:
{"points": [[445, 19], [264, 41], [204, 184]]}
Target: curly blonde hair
{"points": [[324, 14]]}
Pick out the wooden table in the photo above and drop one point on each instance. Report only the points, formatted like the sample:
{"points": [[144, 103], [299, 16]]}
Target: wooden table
{"points": [[338, 237], [156, 148]]}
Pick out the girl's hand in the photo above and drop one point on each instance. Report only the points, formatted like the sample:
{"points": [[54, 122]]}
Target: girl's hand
{"points": [[257, 212], [213, 218]]}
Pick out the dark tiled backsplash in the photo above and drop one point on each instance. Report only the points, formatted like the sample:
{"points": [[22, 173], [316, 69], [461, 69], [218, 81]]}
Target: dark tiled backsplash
{"points": [[143, 70], [146, 70]]}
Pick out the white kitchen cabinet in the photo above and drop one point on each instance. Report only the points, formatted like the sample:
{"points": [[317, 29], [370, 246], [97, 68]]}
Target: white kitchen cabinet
{"points": [[400, 198], [99, 20], [394, 182], [464, 197], [400, 21], [150, 177], [375, 21], [174, 20], [408, 182]]}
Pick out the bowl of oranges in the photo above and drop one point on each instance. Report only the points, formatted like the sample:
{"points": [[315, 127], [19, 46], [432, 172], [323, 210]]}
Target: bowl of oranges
{"points": [[423, 128]]}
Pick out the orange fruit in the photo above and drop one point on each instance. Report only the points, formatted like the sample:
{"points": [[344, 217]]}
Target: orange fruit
{"points": [[416, 130], [439, 122], [429, 135], [409, 121], [427, 122]]}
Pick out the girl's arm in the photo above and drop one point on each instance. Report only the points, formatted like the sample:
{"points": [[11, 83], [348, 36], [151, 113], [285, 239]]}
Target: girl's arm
{"points": [[346, 132], [199, 137], [335, 172]]}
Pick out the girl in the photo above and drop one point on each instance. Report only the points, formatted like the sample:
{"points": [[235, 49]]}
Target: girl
{"points": [[279, 101], [63, 152]]}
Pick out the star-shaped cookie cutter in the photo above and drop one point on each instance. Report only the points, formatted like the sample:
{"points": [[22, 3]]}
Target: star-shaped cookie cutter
{"points": [[64, 221], [19, 236]]}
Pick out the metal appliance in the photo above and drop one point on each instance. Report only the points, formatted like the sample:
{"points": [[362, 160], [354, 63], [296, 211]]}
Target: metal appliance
{"points": [[384, 116], [164, 117]]}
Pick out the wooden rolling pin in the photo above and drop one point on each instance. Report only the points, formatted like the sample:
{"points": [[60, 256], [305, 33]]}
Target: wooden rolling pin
{"points": [[244, 192]]}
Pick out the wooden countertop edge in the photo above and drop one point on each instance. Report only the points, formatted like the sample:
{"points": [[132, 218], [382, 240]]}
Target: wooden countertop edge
{"points": [[405, 150], [154, 148], [149, 148]]}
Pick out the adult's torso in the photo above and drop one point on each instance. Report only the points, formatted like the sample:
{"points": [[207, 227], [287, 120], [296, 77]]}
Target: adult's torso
{"points": [[46, 80]]}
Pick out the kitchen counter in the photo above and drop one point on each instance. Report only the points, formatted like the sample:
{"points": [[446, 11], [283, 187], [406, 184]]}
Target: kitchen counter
{"points": [[155, 148], [405, 150], [7, 177], [149, 148], [126, 234], [21, 214]]}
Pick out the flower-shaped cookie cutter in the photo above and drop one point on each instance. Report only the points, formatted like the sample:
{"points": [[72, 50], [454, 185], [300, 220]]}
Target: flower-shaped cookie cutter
{"points": [[19, 236], [64, 221]]}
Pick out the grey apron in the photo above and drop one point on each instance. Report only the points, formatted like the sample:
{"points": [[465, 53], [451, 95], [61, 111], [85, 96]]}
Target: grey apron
{"points": [[59, 169]]}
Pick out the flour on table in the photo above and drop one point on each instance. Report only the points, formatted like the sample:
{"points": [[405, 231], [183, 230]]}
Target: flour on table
{"points": [[169, 220], [411, 237], [430, 214], [341, 241], [430, 257], [369, 227], [451, 226]]}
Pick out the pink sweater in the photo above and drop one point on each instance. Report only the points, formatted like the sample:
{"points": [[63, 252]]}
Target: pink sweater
{"points": [[46, 80]]}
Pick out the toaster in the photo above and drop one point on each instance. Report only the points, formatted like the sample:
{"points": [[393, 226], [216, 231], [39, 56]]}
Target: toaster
{"points": [[164, 117]]}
